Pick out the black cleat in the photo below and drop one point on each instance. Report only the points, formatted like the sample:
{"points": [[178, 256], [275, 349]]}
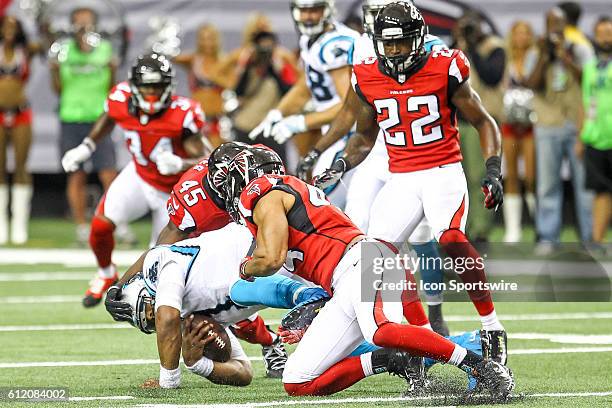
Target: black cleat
{"points": [[301, 316], [494, 345], [275, 357], [410, 368], [496, 378]]}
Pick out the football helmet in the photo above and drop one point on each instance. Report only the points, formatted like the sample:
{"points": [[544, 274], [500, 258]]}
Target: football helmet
{"points": [[136, 294], [308, 28], [152, 70], [246, 166], [218, 163], [394, 23], [371, 8]]}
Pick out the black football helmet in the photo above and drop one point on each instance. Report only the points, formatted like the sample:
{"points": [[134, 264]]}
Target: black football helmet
{"points": [[246, 166], [152, 70], [399, 22], [218, 163]]}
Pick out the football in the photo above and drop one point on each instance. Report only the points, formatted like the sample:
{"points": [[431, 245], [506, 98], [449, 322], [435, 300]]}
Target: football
{"points": [[220, 349]]}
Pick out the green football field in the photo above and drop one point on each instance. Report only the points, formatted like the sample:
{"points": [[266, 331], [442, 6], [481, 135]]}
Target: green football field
{"points": [[561, 353]]}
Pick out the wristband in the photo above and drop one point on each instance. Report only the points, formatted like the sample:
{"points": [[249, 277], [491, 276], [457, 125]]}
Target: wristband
{"points": [[494, 166], [203, 367], [242, 270], [91, 145], [346, 163], [169, 378]]}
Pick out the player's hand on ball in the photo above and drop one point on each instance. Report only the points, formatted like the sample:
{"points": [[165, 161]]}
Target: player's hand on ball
{"points": [[195, 338], [74, 157], [306, 164], [493, 191], [332, 175], [120, 311], [284, 129], [168, 163], [265, 127]]}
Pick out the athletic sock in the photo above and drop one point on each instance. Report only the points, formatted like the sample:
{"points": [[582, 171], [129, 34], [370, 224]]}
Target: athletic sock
{"points": [[101, 240], [490, 322], [338, 377], [254, 332]]}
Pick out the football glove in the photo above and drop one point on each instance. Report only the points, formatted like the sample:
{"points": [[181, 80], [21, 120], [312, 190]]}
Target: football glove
{"points": [[168, 163], [306, 164], [120, 311], [491, 184], [265, 127], [74, 157], [332, 175], [287, 127]]}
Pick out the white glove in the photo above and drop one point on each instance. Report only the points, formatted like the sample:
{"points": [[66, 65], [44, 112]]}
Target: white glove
{"points": [[289, 126], [74, 157], [168, 163], [265, 127]]}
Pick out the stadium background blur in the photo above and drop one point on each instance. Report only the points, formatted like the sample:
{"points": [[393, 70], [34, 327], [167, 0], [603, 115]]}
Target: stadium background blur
{"points": [[229, 17]]}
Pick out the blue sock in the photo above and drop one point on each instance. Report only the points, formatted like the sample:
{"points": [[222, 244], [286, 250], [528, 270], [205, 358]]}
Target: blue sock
{"points": [[468, 340], [363, 348], [273, 291], [431, 271]]}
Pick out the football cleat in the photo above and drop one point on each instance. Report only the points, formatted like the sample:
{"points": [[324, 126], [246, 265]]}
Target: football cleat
{"points": [[275, 357], [496, 378], [494, 345], [97, 288], [410, 368], [301, 316]]}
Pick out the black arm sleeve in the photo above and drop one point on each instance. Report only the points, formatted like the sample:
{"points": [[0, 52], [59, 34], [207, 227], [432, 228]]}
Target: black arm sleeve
{"points": [[490, 69]]}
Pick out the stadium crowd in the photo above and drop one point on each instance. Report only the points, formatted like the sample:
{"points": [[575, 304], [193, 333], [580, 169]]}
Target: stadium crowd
{"points": [[529, 84]]}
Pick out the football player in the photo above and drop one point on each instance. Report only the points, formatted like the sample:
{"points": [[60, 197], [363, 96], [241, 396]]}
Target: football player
{"points": [[196, 205], [413, 96], [294, 224], [197, 275], [162, 132], [326, 51], [369, 177]]}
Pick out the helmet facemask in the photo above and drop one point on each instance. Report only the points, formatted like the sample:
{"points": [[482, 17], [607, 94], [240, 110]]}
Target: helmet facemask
{"points": [[307, 28], [142, 302], [408, 35]]}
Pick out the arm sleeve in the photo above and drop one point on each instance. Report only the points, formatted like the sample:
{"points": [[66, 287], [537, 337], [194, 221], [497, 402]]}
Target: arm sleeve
{"points": [[490, 69], [458, 72], [170, 287]]}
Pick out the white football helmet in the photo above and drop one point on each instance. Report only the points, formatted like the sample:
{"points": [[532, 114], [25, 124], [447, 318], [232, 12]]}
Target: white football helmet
{"points": [[136, 294], [371, 8], [309, 28]]}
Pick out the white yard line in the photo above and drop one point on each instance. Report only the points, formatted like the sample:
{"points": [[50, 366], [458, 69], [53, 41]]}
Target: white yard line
{"points": [[47, 276], [71, 257], [108, 397], [565, 350], [62, 327], [16, 300], [344, 401]]}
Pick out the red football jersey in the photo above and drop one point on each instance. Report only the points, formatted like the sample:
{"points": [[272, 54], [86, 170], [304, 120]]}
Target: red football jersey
{"points": [[163, 132], [417, 116], [192, 206], [318, 231]]}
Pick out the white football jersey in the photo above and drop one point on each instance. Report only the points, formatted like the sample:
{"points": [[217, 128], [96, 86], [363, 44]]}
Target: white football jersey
{"points": [[331, 50], [195, 275]]}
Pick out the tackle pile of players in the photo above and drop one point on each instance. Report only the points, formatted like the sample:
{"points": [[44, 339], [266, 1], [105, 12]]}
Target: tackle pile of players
{"points": [[235, 233]]}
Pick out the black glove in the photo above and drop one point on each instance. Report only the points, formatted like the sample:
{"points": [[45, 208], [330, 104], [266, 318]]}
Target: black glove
{"points": [[121, 311], [491, 184], [306, 164], [332, 175]]}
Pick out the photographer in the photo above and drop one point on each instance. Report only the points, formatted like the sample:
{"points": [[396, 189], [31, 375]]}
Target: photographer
{"points": [[264, 77], [487, 55], [554, 70]]}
